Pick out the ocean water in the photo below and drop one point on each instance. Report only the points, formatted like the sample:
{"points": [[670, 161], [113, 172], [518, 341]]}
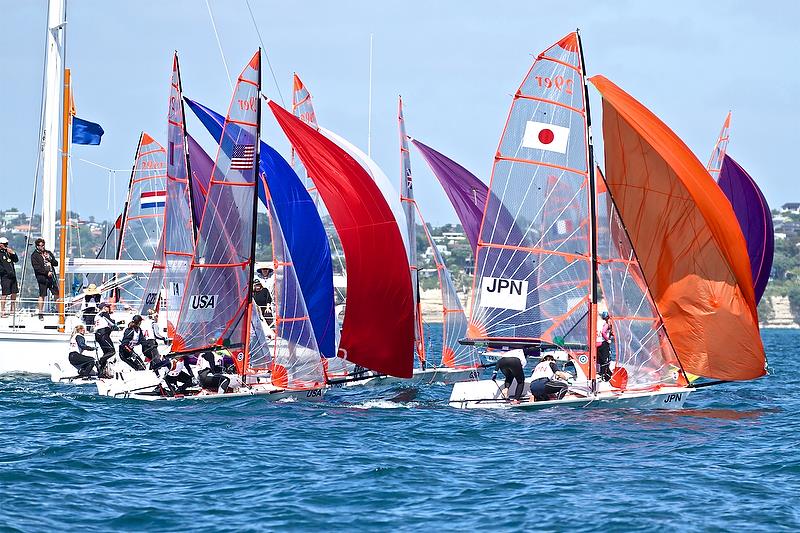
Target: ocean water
{"points": [[397, 459]]}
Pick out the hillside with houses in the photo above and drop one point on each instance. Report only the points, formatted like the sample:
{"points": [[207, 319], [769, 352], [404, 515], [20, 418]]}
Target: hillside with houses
{"points": [[779, 308]]}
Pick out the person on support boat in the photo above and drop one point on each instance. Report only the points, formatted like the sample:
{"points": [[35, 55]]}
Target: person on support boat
{"points": [[210, 372], [84, 364], [91, 299], [132, 337], [511, 365], [179, 371], [545, 384], [605, 333], [263, 300]]}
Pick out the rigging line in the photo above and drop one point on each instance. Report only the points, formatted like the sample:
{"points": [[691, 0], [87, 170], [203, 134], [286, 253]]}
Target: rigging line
{"points": [[369, 110], [40, 141], [266, 56], [219, 44]]}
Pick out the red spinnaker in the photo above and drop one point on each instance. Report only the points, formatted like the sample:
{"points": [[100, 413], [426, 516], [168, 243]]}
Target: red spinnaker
{"points": [[378, 329]]}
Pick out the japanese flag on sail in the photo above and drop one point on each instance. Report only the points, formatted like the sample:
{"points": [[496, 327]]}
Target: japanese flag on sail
{"points": [[545, 137], [152, 199]]}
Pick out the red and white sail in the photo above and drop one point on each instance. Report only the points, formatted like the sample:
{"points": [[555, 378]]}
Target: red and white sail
{"points": [[378, 329]]}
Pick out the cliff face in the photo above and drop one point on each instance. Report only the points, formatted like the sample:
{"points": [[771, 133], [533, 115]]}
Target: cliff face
{"points": [[781, 314]]}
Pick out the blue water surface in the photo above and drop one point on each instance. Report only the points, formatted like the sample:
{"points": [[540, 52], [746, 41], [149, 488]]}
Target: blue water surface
{"points": [[394, 459]]}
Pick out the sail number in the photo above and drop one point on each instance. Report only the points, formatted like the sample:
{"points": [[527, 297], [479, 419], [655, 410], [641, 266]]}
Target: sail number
{"points": [[314, 393], [558, 82], [248, 105]]}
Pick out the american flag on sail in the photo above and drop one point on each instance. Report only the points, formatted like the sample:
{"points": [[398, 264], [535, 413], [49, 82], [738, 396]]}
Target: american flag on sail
{"points": [[242, 156]]}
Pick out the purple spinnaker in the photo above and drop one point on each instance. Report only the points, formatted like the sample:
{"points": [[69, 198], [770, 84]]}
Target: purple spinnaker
{"points": [[754, 217], [202, 166], [466, 192]]}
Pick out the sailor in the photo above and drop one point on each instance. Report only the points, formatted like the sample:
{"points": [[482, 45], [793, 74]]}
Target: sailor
{"points": [[43, 261], [132, 337], [104, 324], [544, 384], [152, 334], [605, 333], [91, 299], [178, 372], [77, 345], [263, 300], [210, 368], [511, 365], [8, 276]]}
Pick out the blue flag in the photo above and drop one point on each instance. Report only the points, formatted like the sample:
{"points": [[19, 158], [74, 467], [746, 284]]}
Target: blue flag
{"points": [[85, 132]]}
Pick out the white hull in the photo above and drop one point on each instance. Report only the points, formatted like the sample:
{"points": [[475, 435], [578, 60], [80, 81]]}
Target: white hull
{"points": [[142, 385], [446, 376], [487, 394], [31, 352]]}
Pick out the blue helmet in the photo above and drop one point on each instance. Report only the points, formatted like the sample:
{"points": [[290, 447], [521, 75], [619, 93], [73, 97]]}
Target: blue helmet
{"points": [[604, 315]]}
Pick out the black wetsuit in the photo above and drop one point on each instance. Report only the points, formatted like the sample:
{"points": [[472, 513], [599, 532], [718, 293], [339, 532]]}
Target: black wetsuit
{"points": [[83, 363], [211, 378], [126, 352], [103, 325], [184, 378], [511, 367]]}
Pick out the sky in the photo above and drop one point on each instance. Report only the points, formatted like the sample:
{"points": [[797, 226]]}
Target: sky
{"points": [[455, 62]]}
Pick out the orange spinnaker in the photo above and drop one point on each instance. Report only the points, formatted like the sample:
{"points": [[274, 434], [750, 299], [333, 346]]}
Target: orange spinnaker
{"points": [[687, 240]]}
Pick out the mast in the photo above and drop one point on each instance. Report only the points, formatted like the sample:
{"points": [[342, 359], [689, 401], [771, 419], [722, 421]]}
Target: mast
{"points": [[56, 43], [592, 227], [189, 180], [409, 208], [251, 264], [62, 254]]}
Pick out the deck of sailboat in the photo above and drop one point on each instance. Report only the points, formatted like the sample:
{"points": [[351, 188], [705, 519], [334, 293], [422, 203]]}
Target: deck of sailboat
{"points": [[662, 398]]}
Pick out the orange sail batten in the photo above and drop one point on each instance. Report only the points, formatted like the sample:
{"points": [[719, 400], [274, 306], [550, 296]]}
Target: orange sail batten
{"points": [[688, 242]]}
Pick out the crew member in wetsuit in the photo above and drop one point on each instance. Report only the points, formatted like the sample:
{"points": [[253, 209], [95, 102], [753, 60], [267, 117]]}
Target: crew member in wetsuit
{"points": [[210, 374], [511, 365], [104, 324], [543, 385], [179, 372], [77, 345], [605, 333], [132, 337]]}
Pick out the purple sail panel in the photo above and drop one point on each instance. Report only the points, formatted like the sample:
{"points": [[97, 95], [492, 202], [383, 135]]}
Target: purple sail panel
{"points": [[202, 165], [466, 192], [754, 217]]}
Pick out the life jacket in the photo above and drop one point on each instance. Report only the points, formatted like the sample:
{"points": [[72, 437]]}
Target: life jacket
{"points": [[543, 370]]}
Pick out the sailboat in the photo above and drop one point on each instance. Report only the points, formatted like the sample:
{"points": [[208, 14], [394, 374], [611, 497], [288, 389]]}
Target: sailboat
{"points": [[457, 362], [750, 206], [216, 310], [672, 270]]}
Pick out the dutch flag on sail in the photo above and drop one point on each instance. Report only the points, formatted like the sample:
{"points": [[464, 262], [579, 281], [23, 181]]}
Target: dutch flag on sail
{"points": [[152, 199]]}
